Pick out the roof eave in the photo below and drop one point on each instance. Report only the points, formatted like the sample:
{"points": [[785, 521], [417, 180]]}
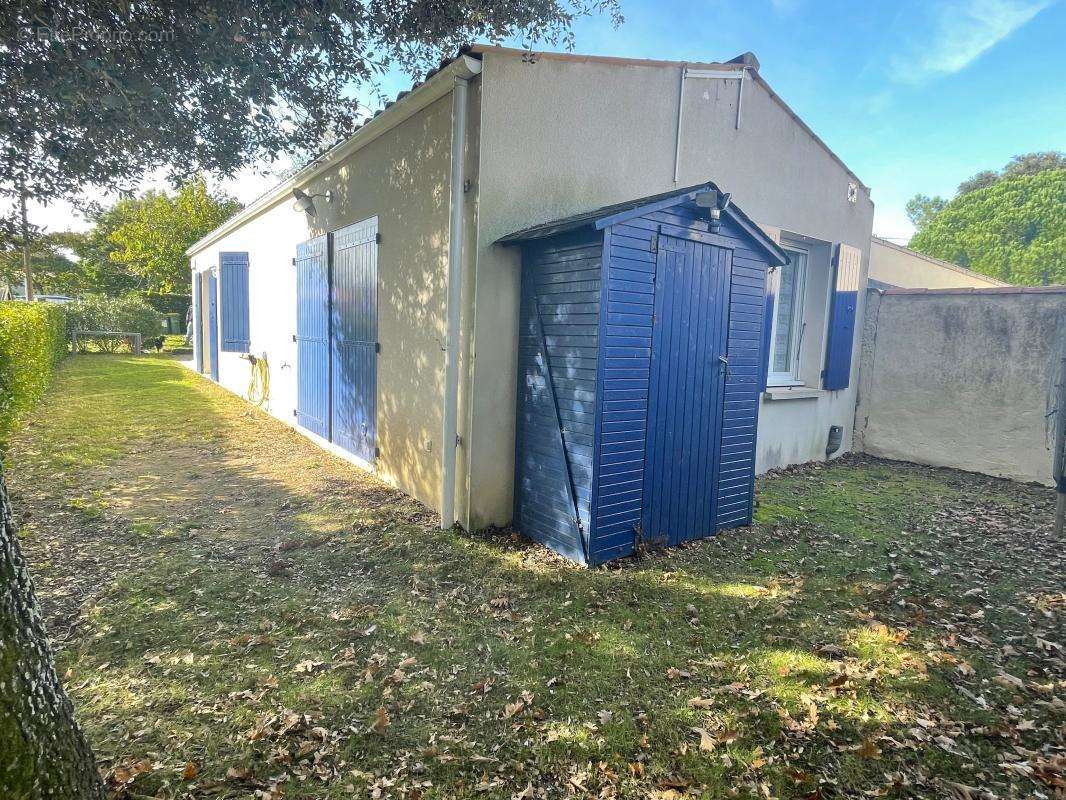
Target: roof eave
{"points": [[429, 91]]}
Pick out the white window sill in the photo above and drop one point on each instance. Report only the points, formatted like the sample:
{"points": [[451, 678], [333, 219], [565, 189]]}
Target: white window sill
{"points": [[792, 393]]}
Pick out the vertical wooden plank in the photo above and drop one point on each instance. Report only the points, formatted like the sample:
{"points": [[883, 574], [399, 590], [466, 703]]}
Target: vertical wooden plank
{"points": [[724, 306]]}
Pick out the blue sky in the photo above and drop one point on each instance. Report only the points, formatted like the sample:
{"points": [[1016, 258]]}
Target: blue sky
{"points": [[915, 96]]}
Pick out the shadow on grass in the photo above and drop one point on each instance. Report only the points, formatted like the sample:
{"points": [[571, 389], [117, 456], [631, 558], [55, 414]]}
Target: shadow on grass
{"points": [[213, 569]]}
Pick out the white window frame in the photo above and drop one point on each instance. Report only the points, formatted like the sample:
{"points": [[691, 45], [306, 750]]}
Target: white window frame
{"points": [[792, 376]]}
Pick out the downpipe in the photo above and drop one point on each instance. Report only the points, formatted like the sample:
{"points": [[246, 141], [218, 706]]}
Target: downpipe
{"points": [[450, 432]]}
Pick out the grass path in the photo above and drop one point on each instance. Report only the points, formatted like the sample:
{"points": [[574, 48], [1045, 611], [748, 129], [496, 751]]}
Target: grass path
{"points": [[241, 615]]}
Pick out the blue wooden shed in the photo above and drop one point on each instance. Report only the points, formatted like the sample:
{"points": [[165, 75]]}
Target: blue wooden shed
{"points": [[641, 354]]}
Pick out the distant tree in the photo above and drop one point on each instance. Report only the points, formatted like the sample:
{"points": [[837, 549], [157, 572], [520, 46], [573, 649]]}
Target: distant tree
{"points": [[93, 248], [1014, 230], [921, 209], [54, 271], [1027, 164], [985, 177], [147, 236], [1032, 163]]}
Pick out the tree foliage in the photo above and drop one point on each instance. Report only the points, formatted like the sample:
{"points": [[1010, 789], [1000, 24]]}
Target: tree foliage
{"points": [[1014, 230], [96, 92], [147, 236], [1032, 163], [134, 245], [985, 177], [922, 208], [54, 271], [1026, 164]]}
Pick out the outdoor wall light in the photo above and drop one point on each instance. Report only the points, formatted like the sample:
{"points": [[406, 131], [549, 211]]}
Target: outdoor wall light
{"points": [[306, 202], [717, 202]]}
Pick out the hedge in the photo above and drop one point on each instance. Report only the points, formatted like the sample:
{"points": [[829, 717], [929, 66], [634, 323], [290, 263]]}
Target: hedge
{"points": [[131, 314], [32, 341]]}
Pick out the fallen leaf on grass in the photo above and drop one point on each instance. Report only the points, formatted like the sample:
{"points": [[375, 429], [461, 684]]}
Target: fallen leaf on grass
{"points": [[381, 721], [868, 749], [190, 771], [707, 741], [1008, 681], [126, 773]]}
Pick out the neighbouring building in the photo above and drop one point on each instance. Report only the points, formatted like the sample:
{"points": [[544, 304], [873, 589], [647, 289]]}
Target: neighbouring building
{"points": [[386, 295], [893, 266]]}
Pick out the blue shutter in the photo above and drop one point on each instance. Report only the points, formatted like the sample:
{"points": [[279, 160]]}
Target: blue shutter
{"points": [[233, 269], [767, 326], [312, 336], [354, 338], [848, 263]]}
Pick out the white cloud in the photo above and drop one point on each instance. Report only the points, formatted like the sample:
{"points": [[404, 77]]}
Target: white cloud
{"points": [[959, 31]]}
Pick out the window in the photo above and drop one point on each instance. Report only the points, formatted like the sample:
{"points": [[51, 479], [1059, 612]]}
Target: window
{"points": [[233, 294], [786, 336]]}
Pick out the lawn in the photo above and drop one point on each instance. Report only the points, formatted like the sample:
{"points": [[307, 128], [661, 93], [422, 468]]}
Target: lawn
{"points": [[239, 614]]}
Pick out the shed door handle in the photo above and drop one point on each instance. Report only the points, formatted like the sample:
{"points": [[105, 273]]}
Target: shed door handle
{"points": [[724, 360]]}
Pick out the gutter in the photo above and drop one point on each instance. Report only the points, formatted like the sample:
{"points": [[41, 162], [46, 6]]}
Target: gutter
{"points": [[426, 93], [450, 433]]}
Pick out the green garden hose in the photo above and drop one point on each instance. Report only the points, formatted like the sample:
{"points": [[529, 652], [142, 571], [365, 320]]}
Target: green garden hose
{"points": [[258, 380]]}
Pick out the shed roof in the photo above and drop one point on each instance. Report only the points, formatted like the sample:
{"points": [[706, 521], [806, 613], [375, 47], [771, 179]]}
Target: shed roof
{"points": [[619, 212]]}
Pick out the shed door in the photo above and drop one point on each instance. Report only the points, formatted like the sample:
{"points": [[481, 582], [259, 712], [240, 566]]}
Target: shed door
{"points": [[312, 336], [685, 393], [355, 337]]}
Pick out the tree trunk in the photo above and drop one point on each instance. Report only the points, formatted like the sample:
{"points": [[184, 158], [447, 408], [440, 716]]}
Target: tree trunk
{"points": [[44, 752]]}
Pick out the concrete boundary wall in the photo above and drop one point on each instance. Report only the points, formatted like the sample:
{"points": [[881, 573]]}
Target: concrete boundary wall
{"points": [[962, 378]]}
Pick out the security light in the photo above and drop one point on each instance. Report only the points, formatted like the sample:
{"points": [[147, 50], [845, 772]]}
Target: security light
{"points": [[707, 199], [306, 202], [717, 202]]}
